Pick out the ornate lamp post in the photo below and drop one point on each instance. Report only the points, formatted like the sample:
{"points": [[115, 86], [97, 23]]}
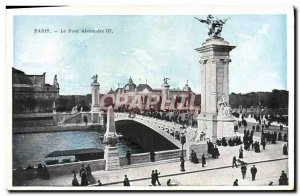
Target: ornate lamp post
{"points": [[183, 141]]}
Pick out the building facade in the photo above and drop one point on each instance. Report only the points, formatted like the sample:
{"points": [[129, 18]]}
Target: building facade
{"points": [[131, 90], [31, 93]]}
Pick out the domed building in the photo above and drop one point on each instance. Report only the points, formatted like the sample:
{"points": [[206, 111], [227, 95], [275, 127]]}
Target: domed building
{"points": [[186, 87], [144, 90], [129, 87]]}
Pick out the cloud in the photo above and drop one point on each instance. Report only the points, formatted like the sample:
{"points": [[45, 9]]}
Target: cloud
{"points": [[123, 53], [264, 30]]}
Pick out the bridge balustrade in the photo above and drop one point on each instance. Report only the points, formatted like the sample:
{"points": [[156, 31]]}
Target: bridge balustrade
{"points": [[135, 158], [145, 157]]}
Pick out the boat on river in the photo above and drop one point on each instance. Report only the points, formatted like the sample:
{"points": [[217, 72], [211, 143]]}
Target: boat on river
{"points": [[68, 156]]}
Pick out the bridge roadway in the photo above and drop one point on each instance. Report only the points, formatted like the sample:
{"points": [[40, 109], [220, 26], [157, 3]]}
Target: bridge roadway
{"points": [[164, 128]]}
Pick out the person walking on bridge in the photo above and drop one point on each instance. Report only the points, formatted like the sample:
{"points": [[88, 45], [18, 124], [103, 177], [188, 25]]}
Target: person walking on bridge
{"points": [[153, 179], [253, 172], [156, 177], [244, 170], [203, 160]]}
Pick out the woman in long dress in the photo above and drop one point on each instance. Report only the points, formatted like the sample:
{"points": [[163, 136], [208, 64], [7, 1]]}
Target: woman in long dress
{"points": [[74, 181]]}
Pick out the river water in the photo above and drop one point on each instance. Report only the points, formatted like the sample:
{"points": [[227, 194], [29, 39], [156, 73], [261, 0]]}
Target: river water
{"points": [[32, 148]]}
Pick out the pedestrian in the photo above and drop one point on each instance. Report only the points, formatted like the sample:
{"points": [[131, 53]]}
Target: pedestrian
{"points": [[153, 180], [169, 183], [194, 158], [283, 180], [126, 181], [234, 162], [241, 153], [285, 151], [203, 160], [235, 183], [182, 164], [156, 177], [74, 181], [128, 156], [88, 172], [99, 183], [81, 169], [263, 143], [152, 156], [253, 172], [243, 170], [84, 180]]}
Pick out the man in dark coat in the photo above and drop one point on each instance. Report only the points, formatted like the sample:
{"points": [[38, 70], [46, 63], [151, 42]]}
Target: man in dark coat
{"points": [[263, 143], [182, 164], [126, 181], [235, 183], [156, 177], [285, 137], [285, 151], [253, 172], [153, 180], [241, 153], [279, 136], [203, 159], [152, 156], [244, 170]]}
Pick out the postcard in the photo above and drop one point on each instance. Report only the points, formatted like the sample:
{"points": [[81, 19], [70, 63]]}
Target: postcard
{"points": [[150, 98]]}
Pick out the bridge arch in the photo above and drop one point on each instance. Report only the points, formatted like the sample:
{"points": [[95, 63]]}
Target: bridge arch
{"points": [[144, 135]]}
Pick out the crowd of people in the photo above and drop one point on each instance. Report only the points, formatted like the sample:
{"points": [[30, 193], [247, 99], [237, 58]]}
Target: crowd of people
{"points": [[247, 141], [213, 150], [231, 142], [181, 117], [85, 174]]}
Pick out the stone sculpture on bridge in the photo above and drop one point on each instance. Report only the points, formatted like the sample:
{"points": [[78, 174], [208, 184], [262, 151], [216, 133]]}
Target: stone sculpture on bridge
{"points": [[74, 110], [214, 25], [223, 108]]}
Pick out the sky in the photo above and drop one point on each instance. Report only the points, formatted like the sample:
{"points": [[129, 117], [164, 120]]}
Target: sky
{"points": [[149, 48]]}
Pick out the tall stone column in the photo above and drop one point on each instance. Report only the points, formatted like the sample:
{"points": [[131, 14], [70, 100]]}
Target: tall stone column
{"points": [[110, 139], [95, 87], [214, 61]]}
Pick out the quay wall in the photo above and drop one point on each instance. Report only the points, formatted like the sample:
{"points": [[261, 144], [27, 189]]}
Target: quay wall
{"points": [[55, 128], [20, 175]]}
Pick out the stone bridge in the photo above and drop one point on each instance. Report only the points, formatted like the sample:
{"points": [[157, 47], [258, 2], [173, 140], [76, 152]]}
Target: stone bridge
{"points": [[135, 127], [166, 129]]}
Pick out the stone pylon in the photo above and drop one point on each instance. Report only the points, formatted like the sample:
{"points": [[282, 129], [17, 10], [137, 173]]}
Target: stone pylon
{"points": [[95, 87], [110, 139], [215, 118]]}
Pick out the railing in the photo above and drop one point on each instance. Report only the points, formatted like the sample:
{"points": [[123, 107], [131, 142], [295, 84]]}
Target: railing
{"points": [[145, 157], [170, 154], [135, 158]]}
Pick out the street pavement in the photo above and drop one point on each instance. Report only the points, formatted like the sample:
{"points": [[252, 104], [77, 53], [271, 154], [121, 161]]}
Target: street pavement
{"points": [[269, 162]]}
